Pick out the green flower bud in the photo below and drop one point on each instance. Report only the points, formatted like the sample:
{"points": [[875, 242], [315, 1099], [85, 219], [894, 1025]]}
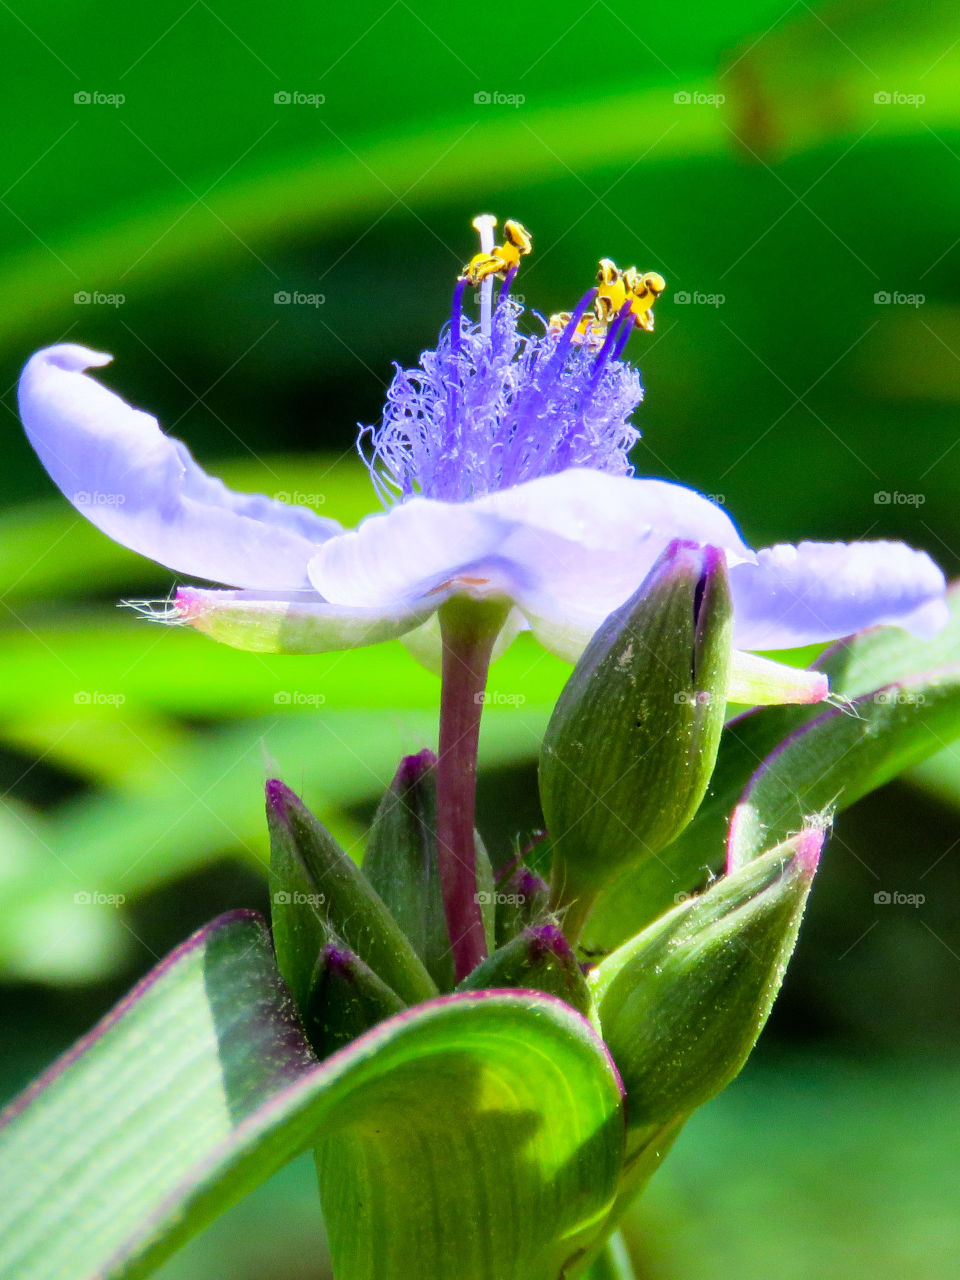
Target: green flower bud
{"points": [[346, 999], [401, 865], [682, 1004], [540, 958], [319, 894], [632, 742]]}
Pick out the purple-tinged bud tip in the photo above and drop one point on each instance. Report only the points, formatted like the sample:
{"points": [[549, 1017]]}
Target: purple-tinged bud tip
{"points": [[412, 769], [808, 847], [528, 883], [280, 799], [338, 960], [188, 604], [693, 559], [548, 939]]}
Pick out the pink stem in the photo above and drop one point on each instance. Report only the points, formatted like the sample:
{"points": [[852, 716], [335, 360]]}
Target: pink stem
{"points": [[468, 640]]}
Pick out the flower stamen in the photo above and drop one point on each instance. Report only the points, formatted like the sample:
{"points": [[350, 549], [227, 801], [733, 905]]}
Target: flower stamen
{"points": [[618, 293], [497, 261], [503, 260], [494, 406]]}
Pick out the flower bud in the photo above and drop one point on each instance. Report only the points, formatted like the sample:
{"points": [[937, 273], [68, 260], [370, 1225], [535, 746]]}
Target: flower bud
{"points": [[682, 1004], [521, 901], [317, 892], [540, 958], [346, 999], [632, 742], [401, 865]]}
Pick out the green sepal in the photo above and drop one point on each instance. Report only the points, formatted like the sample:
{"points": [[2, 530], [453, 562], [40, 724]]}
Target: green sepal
{"points": [[631, 745], [346, 999], [401, 865], [541, 959], [338, 899], [682, 1004]]}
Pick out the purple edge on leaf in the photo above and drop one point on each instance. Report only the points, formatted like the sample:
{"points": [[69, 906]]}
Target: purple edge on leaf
{"points": [[303, 1064], [807, 727], [149, 980]]}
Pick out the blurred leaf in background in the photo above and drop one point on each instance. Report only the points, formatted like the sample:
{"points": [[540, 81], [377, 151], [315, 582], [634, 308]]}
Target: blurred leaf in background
{"points": [[272, 214]]}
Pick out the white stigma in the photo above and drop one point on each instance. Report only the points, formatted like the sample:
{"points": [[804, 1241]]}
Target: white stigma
{"points": [[484, 224]]}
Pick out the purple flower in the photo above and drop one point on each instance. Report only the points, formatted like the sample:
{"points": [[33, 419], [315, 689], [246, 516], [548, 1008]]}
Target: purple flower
{"points": [[502, 460]]}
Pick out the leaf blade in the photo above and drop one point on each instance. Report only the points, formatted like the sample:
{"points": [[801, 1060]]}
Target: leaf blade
{"points": [[123, 1163]]}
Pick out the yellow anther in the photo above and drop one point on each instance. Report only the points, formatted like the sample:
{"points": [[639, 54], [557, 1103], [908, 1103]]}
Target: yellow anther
{"points": [[616, 289], [517, 244]]}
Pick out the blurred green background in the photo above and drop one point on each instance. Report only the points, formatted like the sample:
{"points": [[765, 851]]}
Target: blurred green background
{"points": [[794, 171]]}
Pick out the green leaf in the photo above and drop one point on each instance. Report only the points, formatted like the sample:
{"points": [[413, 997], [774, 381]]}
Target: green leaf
{"points": [[645, 1152], [199, 1086], [939, 777], [842, 755], [613, 1263]]}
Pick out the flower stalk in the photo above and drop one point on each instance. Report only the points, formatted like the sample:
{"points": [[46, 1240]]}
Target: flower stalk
{"points": [[469, 630]]}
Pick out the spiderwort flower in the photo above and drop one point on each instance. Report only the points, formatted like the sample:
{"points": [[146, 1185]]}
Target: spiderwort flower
{"points": [[503, 462]]}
